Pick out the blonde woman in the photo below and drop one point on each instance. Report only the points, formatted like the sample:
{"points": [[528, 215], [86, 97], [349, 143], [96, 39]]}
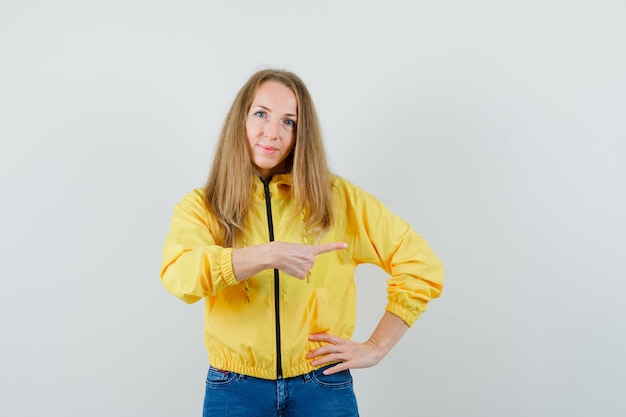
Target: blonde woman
{"points": [[271, 245]]}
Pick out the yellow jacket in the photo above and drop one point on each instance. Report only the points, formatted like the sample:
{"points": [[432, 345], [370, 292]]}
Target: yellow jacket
{"points": [[241, 318]]}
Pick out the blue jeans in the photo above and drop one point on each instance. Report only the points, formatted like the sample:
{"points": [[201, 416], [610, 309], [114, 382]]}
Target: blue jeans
{"points": [[310, 395]]}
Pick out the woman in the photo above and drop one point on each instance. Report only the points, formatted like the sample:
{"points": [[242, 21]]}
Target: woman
{"points": [[271, 244]]}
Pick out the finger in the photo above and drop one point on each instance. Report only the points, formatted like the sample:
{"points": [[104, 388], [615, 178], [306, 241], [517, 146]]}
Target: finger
{"points": [[328, 359], [335, 358], [337, 368], [325, 337], [322, 351], [329, 247]]}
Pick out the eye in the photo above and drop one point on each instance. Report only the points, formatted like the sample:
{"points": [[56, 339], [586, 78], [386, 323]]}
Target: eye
{"points": [[290, 123], [260, 114]]}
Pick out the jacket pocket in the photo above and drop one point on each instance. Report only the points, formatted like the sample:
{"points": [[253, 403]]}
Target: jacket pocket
{"points": [[217, 378], [319, 311], [341, 379]]}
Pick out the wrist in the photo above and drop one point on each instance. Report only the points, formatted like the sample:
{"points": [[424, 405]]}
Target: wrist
{"points": [[269, 255], [380, 351]]}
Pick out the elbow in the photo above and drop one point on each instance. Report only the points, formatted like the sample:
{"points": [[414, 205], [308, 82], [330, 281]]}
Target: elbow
{"points": [[174, 286]]}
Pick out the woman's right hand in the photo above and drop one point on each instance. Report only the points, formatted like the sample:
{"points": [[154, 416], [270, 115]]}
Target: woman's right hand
{"points": [[297, 259]]}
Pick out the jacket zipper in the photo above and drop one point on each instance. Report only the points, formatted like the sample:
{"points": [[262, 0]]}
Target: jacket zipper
{"points": [[270, 225]]}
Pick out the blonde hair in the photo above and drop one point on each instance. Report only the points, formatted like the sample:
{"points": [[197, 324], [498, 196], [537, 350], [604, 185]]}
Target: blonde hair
{"points": [[228, 191]]}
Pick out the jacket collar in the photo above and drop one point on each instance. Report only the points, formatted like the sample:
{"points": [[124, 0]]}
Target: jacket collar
{"points": [[279, 185]]}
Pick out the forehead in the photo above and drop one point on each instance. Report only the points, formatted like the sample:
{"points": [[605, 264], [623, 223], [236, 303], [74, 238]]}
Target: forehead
{"points": [[275, 96]]}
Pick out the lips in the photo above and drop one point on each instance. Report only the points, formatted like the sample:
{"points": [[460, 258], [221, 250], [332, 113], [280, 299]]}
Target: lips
{"points": [[268, 150]]}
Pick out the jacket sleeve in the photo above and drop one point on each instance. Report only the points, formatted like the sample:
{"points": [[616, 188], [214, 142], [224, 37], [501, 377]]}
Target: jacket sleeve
{"points": [[383, 239], [193, 266]]}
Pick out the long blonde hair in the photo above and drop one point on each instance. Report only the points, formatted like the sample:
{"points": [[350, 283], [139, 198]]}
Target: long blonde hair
{"points": [[228, 191]]}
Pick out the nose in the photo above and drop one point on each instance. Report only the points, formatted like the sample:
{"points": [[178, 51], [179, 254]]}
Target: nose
{"points": [[272, 129]]}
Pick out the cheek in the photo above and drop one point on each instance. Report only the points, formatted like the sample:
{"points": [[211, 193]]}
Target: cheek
{"points": [[293, 141], [249, 132]]}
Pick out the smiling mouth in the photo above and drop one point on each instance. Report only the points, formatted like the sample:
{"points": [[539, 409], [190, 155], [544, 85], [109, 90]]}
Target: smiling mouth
{"points": [[268, 149]]}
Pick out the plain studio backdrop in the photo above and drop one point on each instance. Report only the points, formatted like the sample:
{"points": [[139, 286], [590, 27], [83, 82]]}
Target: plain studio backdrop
{"points": [[496, 128]]}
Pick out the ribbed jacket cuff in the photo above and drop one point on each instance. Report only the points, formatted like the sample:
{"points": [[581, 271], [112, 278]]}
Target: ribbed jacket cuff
{"points": [[408, 316], [226, 267]]}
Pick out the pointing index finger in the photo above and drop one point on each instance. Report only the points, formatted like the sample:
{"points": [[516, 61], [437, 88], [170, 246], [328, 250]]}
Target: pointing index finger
{"points": [[329, 247]]}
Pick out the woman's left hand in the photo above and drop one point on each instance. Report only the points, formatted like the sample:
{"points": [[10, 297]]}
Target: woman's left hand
{"points": [[349, 354]]}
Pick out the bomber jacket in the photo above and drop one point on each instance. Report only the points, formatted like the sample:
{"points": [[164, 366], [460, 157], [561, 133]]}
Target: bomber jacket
{"points": [[260, 326]]}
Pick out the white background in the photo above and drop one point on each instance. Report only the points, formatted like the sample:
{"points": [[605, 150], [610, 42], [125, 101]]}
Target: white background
{"points": [[497, 128]]}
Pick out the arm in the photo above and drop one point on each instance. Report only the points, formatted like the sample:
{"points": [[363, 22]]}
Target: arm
{"points": [[385, 240], [416, 277], [194, 266]]}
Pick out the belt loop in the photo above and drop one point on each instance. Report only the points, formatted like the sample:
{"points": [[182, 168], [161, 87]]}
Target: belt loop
{"points": [[307, 377]]}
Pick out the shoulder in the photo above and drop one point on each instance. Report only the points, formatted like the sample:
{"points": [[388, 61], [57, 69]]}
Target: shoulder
{"points": [[342, 187], [341, 184], [352, 199], [192, 208], [355, 199], [194, 197], [193, 202]]}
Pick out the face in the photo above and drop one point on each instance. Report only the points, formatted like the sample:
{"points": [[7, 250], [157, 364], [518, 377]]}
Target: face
{"points": [[271, 128]]}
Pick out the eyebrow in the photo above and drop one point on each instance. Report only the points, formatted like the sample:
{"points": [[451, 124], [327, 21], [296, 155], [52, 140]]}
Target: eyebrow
{"points": [[268, 109]]}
